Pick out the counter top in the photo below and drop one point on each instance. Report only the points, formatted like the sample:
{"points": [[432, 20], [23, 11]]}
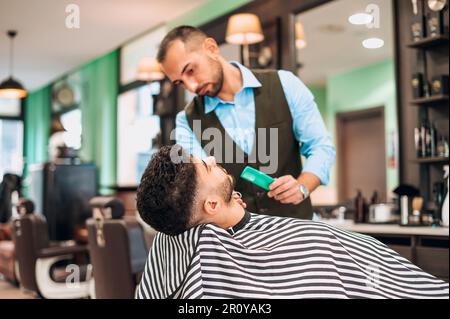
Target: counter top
{"points": [[388, 229]]}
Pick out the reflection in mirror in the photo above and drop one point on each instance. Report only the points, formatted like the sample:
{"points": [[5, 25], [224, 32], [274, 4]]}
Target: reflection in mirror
{"points": [[354, 88]]}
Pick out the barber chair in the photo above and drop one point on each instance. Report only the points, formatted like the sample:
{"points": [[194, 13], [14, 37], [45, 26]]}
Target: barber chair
{"points": [[10, 187], [51, 270], [7, 254], [117, 248], [8, 262]]}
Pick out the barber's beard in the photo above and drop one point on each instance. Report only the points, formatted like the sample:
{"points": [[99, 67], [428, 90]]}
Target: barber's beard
{"points": [[217, 82]]}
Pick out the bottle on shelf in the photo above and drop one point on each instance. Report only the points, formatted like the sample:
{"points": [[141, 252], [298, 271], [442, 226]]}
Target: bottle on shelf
{"points": [[424, 138], [418, 141], [418, 26], [432, 140], [375, 198], [444, 212], [435, 20], [442, 147], [360, 208]]}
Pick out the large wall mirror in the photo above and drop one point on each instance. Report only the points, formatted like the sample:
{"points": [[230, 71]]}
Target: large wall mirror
{"points": [[350, 69]]}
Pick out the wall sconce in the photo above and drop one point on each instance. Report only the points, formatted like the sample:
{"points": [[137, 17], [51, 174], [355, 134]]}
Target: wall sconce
{"points": [[149, 70], [244, 29], [300, 39]]}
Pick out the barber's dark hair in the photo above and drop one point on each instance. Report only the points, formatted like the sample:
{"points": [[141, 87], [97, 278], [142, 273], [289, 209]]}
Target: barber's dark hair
{"points": [[184, 33], [165, 196]]}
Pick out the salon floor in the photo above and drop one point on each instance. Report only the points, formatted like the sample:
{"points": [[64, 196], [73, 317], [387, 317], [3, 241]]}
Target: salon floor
{"points": [[9, 291]]}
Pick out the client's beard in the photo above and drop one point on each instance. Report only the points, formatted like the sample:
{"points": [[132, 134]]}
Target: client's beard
{"points": [[227, 188]]}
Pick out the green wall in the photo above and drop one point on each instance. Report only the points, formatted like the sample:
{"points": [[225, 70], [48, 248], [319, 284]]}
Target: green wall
{"points": [[37, 129], [99, 117], [362, 88]]}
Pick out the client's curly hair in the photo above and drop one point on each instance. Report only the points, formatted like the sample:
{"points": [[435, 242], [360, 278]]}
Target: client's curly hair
{"points": [[165, 196]]}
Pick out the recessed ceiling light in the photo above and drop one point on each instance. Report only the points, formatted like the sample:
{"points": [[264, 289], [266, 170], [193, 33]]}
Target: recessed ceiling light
{"points": [[373, 43], [360, 18]]}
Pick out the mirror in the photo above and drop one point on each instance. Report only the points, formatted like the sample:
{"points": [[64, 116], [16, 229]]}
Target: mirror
{"points": [[350, 69]]}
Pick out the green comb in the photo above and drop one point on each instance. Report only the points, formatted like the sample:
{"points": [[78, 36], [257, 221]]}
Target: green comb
{"points": [[256, 177]]}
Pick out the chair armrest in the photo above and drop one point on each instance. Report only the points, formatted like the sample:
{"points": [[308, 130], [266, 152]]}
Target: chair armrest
{"points": [[61, 250]]}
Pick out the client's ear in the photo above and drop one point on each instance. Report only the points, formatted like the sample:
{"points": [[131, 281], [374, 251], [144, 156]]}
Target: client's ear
{"points": [[212, 206]]}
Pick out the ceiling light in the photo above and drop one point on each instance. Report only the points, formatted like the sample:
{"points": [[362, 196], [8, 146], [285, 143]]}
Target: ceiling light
{"points": [[11, 88], [360, 18], [244, 29], [373, 43]]}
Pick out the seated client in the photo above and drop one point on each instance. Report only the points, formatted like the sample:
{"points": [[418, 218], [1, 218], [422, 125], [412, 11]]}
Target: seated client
{"points": [[209, 246]]}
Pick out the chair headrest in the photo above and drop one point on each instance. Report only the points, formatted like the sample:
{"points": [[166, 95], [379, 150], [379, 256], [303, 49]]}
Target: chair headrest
{"points": [[25, 206], [109, 207]]}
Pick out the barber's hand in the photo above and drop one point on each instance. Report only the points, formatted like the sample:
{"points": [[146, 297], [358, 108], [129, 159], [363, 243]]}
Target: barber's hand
{"points": [[238, 198], [286, 190]]}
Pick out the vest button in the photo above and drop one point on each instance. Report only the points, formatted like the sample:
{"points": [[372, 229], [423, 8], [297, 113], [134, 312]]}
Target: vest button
{"points": [[260, 194], [263, 211]]}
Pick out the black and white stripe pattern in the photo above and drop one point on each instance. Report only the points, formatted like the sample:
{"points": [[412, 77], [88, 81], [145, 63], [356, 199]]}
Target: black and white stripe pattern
{"points": [[273, 257]]}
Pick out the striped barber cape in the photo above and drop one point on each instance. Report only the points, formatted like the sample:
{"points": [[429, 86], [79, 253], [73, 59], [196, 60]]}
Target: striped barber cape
{"points": [[277, 257]]}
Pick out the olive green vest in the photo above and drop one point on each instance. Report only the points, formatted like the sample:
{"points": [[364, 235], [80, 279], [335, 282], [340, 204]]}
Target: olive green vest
{"points": [[272, 111]]}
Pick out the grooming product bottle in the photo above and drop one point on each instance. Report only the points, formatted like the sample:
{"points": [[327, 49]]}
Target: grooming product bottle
{"points": [[418, 141], [404, 210], [359, 208], [424, 137], [433, 140], [444, 212], [417, 84], [435, 20], [418, 25], [442, 147]]}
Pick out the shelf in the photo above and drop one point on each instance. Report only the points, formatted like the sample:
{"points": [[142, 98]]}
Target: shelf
{"points": [[431, 160], [430, 100], [430, 42]]}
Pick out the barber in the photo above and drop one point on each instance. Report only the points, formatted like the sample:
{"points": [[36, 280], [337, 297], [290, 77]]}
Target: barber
{"points": [[238, 103]]}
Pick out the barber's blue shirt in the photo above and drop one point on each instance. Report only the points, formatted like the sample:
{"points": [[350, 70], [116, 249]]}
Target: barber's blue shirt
{"points": [[238, 119]]}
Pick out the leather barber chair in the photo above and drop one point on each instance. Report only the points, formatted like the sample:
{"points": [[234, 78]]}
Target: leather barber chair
{"points": [[50, 270], [8, 263], [7, 254], [117, 248]]}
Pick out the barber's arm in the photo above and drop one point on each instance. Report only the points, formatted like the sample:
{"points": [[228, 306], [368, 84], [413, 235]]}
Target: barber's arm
{"points": [[185, 136], [315, 141]]}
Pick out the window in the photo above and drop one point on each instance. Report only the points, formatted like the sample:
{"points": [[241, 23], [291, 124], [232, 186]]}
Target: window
{"points": [[139, 133], [11, 147], [10, 107]]}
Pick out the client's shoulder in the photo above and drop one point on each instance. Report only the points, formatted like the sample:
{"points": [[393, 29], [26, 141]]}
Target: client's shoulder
{"points": [[267, 221]]}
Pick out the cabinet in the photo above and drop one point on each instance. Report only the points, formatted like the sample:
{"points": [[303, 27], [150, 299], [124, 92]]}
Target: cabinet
{"points": [[431, 58], [61, 193], [430, 253]]}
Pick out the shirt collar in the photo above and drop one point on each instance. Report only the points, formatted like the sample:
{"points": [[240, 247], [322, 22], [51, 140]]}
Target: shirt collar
{"points": [[249, 80]]}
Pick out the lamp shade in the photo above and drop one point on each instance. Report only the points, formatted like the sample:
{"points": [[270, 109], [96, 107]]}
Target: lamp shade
{"points": [[149, 69], [244, 28], [300, 39], [12, 89]]}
